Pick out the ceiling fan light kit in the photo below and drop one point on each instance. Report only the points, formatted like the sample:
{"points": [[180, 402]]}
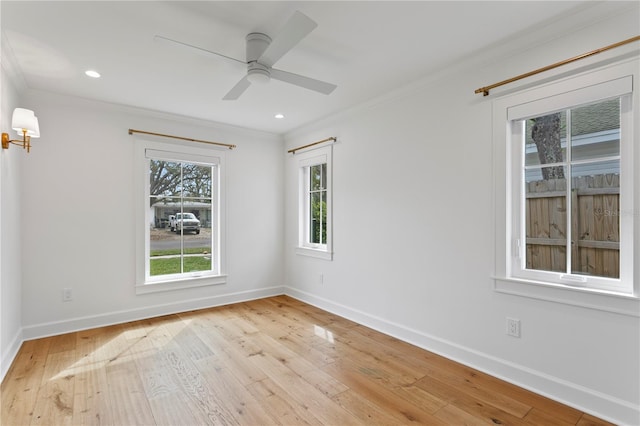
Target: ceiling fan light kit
{"points": [[262, 52], [258, 74]]}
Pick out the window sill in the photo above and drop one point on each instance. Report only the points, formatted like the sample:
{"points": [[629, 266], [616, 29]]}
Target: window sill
{"points": [[586, 298], [318, 254], [180, 284]]}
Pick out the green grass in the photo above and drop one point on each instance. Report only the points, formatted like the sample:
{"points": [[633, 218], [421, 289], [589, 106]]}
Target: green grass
{"points": [[172, 265], [169, 252]]}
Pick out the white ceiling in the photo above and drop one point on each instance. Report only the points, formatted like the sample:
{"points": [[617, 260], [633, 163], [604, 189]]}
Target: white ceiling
{"points": [[367, 48]]}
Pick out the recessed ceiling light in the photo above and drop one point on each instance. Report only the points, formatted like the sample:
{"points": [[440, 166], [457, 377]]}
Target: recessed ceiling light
{"points": [[279, 116], [92, 74]]}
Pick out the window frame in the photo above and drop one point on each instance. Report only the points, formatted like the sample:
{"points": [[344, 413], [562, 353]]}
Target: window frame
{"points": [[306, 160], [509, 276], [145, 283]]}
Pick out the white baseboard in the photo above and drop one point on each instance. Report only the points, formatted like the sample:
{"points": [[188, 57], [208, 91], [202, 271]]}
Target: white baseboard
{"points": [[584, 399], [118, 317], [10, 353]]}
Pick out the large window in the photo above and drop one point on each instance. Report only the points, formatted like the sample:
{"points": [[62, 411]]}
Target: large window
{"points": [[566, 191], [571, 197], [180, 209], [182, 242], [314, 203]]}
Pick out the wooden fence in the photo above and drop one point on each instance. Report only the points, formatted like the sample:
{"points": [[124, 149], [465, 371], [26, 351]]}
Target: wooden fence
{"points": [[595, 225]]}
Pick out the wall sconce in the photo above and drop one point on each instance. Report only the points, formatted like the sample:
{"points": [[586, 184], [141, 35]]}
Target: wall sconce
{"points": [[25, 123]]}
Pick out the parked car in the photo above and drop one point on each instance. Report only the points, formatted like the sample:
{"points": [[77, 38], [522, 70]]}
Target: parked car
{"points": [[184, 222]]}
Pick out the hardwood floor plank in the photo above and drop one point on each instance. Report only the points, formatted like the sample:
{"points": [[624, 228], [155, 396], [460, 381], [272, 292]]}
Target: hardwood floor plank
{"points": [[244, 406], [452, 415], [274, 361], [468, 403], [588, 420], [126, 393], [231, 356], [282, 410], [376, 393], [463, 384], [302, 392], [537, 417], [365, 410], [55, 397], [63, 343], [419, 397], [21, 386], [91, 403], [296, 335]]}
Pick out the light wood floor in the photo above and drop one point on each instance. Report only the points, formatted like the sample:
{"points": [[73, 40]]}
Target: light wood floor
{"points": [[270, 361]]}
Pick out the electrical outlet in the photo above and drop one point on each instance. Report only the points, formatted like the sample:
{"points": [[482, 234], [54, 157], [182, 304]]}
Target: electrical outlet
{"points": [[67, 295], [513, 327]]}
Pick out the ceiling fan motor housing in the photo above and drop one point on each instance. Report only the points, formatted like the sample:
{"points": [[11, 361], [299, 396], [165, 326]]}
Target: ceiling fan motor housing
{"points": [[257, 43]]}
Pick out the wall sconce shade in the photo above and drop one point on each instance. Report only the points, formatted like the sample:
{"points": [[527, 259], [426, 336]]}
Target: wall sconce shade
{"points": [[25, 123]]}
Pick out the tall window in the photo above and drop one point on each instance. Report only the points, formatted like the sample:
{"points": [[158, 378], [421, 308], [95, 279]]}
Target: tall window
{"points": [[183, 225], [569, 184], [180, 208], [314, 203]]}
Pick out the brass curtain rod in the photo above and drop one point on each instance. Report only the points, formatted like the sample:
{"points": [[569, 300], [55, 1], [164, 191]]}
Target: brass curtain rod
{"points": [[132, 131], [485, 90], [311, 144]]}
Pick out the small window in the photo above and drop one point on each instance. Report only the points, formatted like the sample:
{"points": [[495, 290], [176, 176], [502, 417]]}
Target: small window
{"points": [[314, 203], [564, 194]]}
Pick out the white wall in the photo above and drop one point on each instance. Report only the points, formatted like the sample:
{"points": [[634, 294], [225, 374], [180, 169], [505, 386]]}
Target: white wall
{"points": [[414, 231], [413, 228], [10, 241], [77, 210]]}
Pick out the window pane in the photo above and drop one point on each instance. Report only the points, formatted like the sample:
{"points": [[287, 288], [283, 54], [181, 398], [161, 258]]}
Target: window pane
{"points": [[318, 223], [595, 130], [546, 221], [323, 214], [196, 181], [544, 139], [317, 175], [596, 219], [197, 242], [164, 178], [315, 219]]}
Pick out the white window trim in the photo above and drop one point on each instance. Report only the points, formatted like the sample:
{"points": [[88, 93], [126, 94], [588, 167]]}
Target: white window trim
{"points": [[505, 280], [305, 160], [145, 284]]}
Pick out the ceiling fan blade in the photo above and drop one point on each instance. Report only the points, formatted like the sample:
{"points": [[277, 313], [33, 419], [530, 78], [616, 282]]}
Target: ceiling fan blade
{"points": [[238, 89], [296, 28], [302, 81], [196, 49]]}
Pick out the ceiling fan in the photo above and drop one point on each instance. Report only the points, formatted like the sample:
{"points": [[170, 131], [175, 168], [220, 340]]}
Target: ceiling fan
{"points": [[263, 52]]}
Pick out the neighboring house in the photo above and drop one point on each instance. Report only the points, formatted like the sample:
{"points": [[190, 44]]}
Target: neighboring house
{"points": [[161, 211]]}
